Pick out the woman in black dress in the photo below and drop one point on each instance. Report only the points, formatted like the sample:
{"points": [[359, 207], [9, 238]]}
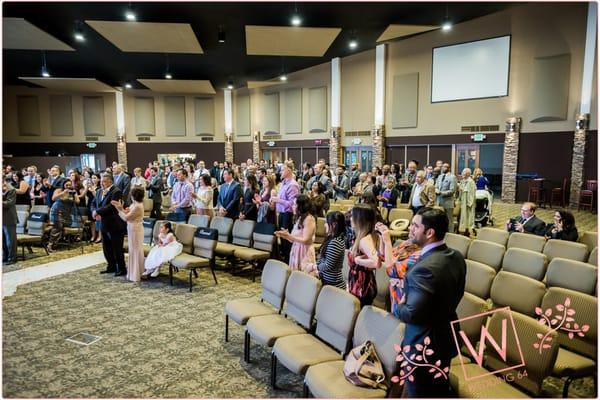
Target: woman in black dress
{"points": [[36, 191], [563, 227], [251, 189], [22, 188]]}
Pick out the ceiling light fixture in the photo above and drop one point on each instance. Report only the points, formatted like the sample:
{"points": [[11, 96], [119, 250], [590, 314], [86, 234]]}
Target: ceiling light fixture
{"points": [[78, 34], [168, 76], [167, 72], [296, 20], [230, 85], [128, 86], [283, 78], [221, 35], [353, 43], [45, 72], [446, 24], [129, 14]]}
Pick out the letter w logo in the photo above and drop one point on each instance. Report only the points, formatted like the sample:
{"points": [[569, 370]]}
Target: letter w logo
{"points": [[485, 334]]}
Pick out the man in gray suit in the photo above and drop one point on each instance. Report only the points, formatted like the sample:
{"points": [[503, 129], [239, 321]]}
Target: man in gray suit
{"points": [[9, 224], [318, 168], [340, 184], [444, 189], [123, 182]]}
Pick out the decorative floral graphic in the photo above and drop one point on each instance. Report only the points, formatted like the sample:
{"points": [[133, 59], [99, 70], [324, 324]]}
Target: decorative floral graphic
{"points": [[564, 322], [409, 364]]}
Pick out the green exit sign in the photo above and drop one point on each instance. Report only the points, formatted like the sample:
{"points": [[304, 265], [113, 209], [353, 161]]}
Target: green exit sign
{"points": [[478, 137]]}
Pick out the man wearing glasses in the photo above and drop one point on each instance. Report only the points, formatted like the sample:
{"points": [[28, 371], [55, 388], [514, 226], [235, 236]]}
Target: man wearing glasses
{"points": [[527, 222]]}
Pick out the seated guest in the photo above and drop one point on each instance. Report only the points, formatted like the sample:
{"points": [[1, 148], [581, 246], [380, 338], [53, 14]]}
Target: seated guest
{"points": [[527, 222], [317, 196], [563, 227], [331, 255], [303, 234], [164, 250], [390, 195]]}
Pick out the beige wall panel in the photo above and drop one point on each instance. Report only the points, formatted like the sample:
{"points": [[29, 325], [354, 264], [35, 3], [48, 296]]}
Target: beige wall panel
{"points": [[28, 112], [61, 115], [358, 91]]}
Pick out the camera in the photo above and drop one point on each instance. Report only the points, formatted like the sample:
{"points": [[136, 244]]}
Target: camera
{"points": [[511, 224]]}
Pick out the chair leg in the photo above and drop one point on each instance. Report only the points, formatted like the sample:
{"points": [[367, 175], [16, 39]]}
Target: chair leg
{"points": [[565, 392], [273, 370], [212, 269], [226, 328], [191, 279], [195, 273], [246, 346], [305, 393], [170, 275]]}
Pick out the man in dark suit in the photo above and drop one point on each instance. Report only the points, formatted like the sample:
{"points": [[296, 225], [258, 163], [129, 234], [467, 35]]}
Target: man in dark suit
{"points": [[214, 171], [230, 194], [9, 224], [112, 226], [155, 188], [53, 182], [433, 287], [123, 182], [527, 222]]}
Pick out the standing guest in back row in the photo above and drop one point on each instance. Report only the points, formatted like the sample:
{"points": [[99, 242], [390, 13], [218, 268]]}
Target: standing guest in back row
{"points": [[123, 182], [155, 188], [444, 189], [422, 193], [9, 224], [284, 202], [230, 194], [181, 198]]}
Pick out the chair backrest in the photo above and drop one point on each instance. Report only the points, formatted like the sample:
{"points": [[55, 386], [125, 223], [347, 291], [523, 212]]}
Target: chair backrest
{"points": [[336, 313], [593, 258], [525, 262], [383, 288], [149, 224], [42, 209], [320, 232], [459, 243], [520, 293], [301, 295], [591, 185], [469, 308], [590, 239], [493, 235], [479, 279], [22, 221], [571, 274], [383, 330], [273, 280], [224, 226], [185, 236], [264, 237], [166, 200], [565, 249], [148, 204], [36, 223], [487, 253], [205, 242], [345, 201], [22, 207], [400, 213], [201, 221], [539, 362], [242, 232], [583, 312], [526, 241]]}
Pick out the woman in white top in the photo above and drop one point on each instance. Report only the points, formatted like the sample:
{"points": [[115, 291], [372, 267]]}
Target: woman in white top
{"points": [[203, 199], [138, 179]]}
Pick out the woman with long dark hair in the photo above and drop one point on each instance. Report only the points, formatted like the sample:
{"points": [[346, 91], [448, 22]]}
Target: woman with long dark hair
{"points": [[331, 255], [303, 234], [35, 192], [318, 198], [22, 188], [251, 189], [563, 227]]}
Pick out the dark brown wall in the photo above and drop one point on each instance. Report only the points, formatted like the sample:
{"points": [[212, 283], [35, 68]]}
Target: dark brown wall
{"points": [[590, 170], [139, 154], [546, 154], [443, 153], [44, 163], [309, 149], [71, 149], [242, 151], [441, 139]]}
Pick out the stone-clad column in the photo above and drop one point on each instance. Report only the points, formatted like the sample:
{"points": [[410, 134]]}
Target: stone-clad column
{"points": [[229, 147], [121, 151], [578, 160], [256, 147], [335, 148], [511, 159], [377, 135]]}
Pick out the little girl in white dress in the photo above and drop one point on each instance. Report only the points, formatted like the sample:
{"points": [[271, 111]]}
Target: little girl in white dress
{"points": [[166, 248]]}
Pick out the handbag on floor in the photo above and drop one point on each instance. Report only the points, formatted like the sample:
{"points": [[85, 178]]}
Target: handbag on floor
{"points": [[363, 367]]}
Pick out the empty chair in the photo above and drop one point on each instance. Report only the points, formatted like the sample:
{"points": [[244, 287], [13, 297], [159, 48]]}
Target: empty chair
{"points": [[381, 328], [224, 226], [525, 262], [593, 258], [301, 295], [590, 239], [459, 243], [23, 207], [383, 288], [202, 253], [263, 240], [526, 241], [335, 314], [469, 310], [148, 204], [520, 293], [570, 274], [201, 221], [577, 356], [320, 233], [274, 278], [241, 237], [40, 209], [565, 249], [493, 235], [22, 221], [488, 253], [479, 279], [538, 364], [399, 213]]}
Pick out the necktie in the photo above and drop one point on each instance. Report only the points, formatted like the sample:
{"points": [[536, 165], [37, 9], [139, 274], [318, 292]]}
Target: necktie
{"points": [[443, 177]]}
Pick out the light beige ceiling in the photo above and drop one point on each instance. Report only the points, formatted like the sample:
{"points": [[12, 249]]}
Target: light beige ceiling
{"points": [[70, 84], [149, 37], [289, 41], [21, 35], [398, 31], [178, 86], [261, 84]]}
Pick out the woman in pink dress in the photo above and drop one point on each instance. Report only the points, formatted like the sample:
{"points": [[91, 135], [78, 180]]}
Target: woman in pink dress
{"points": [[135, 233], [302, 236]]}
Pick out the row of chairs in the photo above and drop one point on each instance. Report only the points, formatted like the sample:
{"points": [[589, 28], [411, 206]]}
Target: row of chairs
{"points": [[318, 328]]}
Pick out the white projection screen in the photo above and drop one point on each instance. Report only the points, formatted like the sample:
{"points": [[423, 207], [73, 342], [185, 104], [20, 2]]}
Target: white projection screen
{"points": [[472, 70]]}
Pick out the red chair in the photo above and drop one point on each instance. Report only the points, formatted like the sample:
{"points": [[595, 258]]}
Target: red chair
{"points": [[559, 194], [536, 193], [587, 195]]}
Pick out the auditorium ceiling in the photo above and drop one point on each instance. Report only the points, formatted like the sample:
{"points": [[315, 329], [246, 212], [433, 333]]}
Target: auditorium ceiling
{"points": [[182, 39]]}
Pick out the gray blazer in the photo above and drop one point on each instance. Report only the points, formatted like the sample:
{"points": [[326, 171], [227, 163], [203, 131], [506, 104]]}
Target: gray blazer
{"points": [[446, 187], [341, 190], [9, 210]]}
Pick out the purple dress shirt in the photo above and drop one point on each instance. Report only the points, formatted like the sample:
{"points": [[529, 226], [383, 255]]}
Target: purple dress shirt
{"points": [[288, 192], [182, 194]]}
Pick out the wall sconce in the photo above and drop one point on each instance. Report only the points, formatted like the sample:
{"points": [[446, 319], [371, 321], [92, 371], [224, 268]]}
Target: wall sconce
{"points": [[377, 131], [255, 136], [513, 124], [334, 133], [120, 139], [581, 123], [228, 137]]}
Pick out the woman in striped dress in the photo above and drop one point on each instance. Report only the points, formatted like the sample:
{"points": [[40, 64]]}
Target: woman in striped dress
{"points": [[331, 258]]}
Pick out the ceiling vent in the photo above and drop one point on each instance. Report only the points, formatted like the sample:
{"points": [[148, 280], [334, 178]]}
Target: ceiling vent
{"points": [[207, 139], [480, 128], [143, 138], [357, 133], [91, 138]]}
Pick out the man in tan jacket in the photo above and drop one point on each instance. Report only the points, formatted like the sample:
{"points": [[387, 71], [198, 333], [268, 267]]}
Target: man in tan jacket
{"points": [[422, 193]]}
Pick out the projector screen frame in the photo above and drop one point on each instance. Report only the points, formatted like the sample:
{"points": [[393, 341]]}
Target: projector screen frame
{"points": [[509, 35]]}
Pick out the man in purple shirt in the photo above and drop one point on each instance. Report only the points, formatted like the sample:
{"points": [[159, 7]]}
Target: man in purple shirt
{"points": [[181, 198], [284, 202]]}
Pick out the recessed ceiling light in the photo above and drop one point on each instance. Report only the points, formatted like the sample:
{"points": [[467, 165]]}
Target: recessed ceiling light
{"points": [[45, 72], [168, 75], [353, 44], [130, 15], [296, 20], [283, 78], [128, 86], [230, 85], [79, 37], [447, 26]]}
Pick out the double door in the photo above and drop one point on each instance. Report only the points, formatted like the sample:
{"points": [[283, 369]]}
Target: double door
{"points": [[363, 155]]}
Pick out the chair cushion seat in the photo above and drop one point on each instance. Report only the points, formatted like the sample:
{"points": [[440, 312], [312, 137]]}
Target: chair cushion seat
{"points": [[485, 387], [572, 364], [399, 234], [72, 231], [327, 380], [225, 249], [241, 310], [299, 352], [29, 239], [251, 254], [189, 261], [266, 329]]}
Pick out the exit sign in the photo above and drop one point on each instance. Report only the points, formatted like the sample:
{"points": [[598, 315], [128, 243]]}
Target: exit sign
{"points": [[478, 137]]}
